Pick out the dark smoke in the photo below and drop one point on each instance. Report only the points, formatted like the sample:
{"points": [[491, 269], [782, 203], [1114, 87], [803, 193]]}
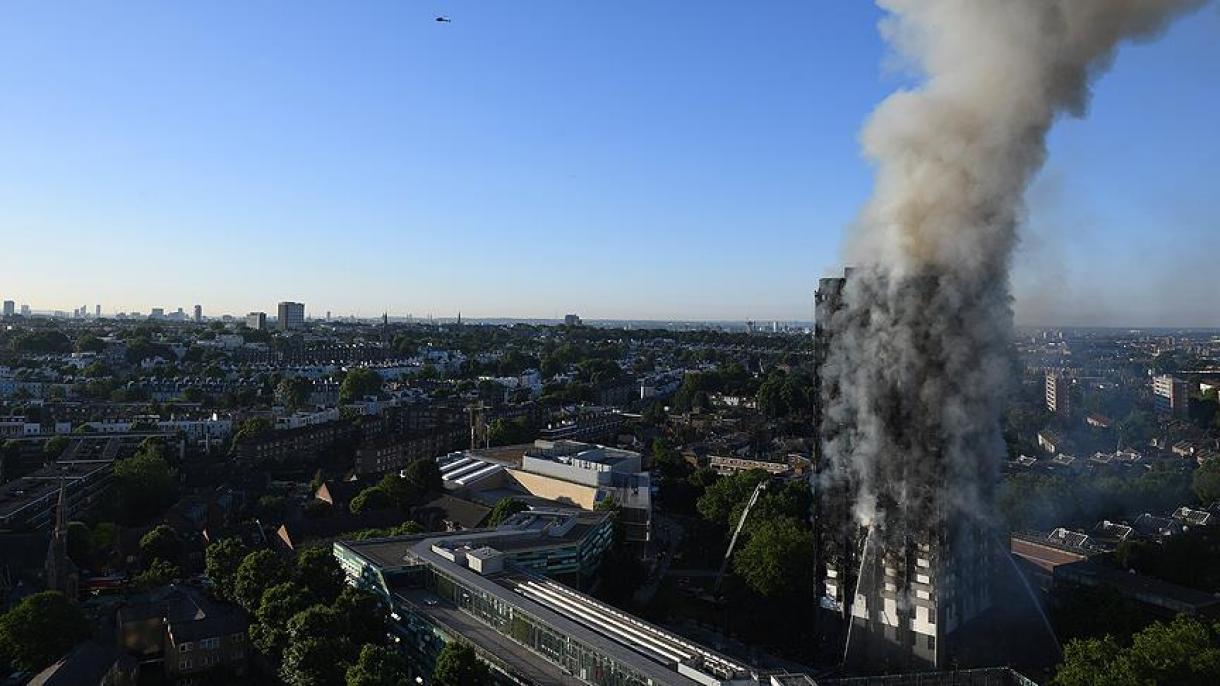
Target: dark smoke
{"points": [[919, 359]]}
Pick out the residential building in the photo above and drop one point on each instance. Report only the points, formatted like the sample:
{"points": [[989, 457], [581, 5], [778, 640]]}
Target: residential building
{"points": [[1058, 395], [291, 316], [183, 633], [10, 308], [157, 313], [1170, 395], [257, 321], [895, 595], [198, 314], [586, 424], [571, 320]]}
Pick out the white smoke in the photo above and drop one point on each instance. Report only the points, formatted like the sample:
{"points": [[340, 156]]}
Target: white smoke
{"points": [[919, 356]]}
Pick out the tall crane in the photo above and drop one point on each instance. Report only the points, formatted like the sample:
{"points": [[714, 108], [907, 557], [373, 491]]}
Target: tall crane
{"points": [[728, 554]]}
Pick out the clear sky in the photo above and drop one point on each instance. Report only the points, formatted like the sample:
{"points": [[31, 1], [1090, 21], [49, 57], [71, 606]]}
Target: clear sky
{"points": [[624, 159]]}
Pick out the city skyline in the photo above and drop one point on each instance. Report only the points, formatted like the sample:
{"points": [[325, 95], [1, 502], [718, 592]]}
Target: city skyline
{"points": [[364, 141]]}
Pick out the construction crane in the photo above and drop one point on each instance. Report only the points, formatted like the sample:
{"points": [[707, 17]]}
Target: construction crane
{"points": [[728, 554]]}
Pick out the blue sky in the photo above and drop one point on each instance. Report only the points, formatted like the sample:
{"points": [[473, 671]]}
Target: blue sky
{"points": [[622, 159]]}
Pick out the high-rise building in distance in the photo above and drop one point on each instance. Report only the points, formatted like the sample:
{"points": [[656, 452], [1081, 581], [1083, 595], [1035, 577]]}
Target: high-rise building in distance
{"points": [[198, 313], [10, 308], [257, 321], [291, 316], [571, 320], [1170, 395], [97, 311], [1057, 398]]}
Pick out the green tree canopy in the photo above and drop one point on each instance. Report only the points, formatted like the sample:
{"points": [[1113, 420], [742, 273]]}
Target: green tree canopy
{"points": [[362, 615], [1206, 481], [358, 383], [318, 651], [144, 483], [158, 573], [424, 476], [257, 572], [319, 571], [89, 344], [161, 542], [221, 560], [718, 502], [40, 629], [777, 555], [371, 499], [378, 666], [503, 509], [280, 603], [457, 665], [1185, 652]]}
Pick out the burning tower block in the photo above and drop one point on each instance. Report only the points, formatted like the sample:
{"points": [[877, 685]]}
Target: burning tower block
{"points": [[906, 550]]}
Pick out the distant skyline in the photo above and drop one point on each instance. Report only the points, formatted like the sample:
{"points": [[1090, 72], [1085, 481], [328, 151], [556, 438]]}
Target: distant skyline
{"points": [[624, 160]]}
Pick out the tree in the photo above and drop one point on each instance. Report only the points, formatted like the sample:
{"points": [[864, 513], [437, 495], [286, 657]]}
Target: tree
{"points": [[318, 650], [776, 557], [503, 509], [359, 383], [378, 666], [221, 560], [370, 499], [280, 603], [161, 542], [311, 662], [259, 571], [144, 484], [319, 571], [89, 344], [508, 432], [457, 665], [717, 503], [362, 615], [1185, 652], [403, 493], [159, 573], [40, 629], [294, 392], [55, 446], [252, 428], [1206, 481], [424, 476]]}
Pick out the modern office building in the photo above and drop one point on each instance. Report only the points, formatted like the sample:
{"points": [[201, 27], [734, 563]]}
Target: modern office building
{"points": [[157, 313], [1170, 395], [478, 587], [571, 320], [257, 321], [1057, 393], [291, 316], [10, 308], [893, 596], [198, 314]]}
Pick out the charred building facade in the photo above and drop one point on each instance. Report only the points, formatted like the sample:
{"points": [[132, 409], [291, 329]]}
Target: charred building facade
{"points": [[904, 560]]}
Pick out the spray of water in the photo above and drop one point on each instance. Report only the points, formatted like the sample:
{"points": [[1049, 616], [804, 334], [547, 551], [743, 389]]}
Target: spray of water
{"points": [[919, 357]]}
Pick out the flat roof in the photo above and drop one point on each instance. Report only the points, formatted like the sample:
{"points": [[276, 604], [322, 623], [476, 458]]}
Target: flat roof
{"points": [[644, 664]]}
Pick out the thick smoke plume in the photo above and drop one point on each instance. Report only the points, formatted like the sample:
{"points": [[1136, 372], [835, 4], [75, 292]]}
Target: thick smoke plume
{"points": [[919, 355]]}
